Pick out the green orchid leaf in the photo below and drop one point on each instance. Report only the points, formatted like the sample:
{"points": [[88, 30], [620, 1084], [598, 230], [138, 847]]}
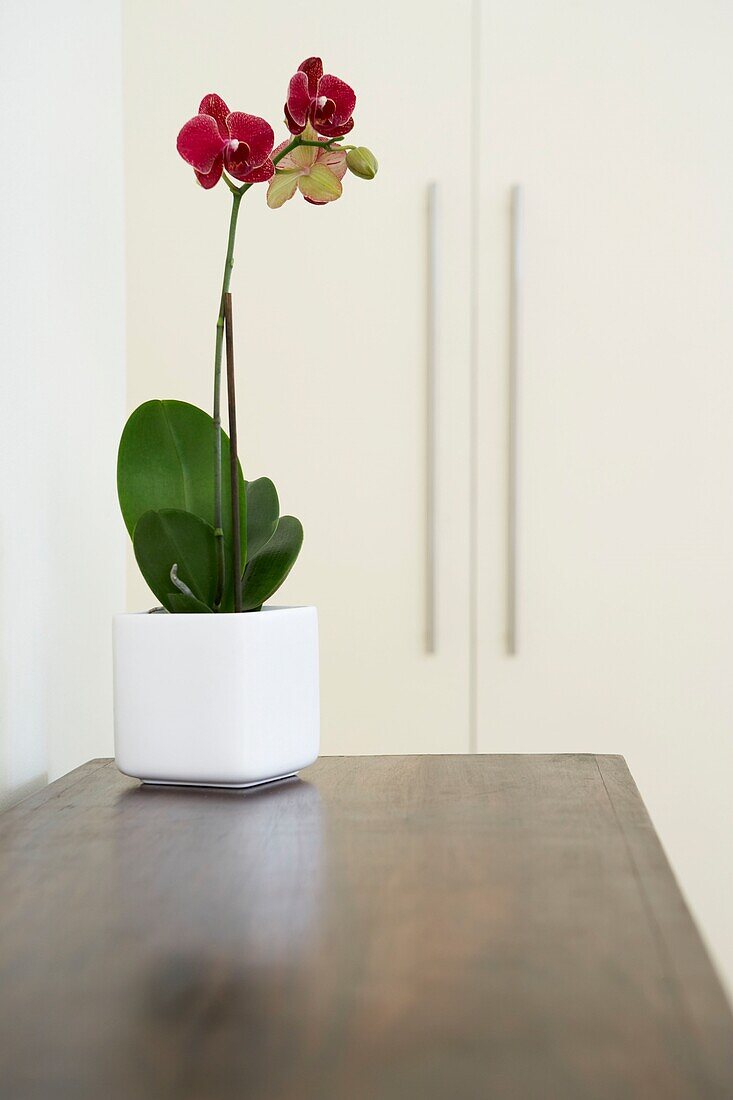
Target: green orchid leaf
{"points": [[268, 569], [169, 537], [166, 460], [263, 512], [181, 604]]}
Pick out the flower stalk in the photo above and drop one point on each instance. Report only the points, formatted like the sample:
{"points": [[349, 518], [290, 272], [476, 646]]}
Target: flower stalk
{"points": [[218, 506], [219, 143], [237, 196], [233, 457]]}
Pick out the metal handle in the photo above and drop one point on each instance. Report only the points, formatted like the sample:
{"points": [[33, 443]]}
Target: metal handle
{"points": [[515, 320], [431, 302]]}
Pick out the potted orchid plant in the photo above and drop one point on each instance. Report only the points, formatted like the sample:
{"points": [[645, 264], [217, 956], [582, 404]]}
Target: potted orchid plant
{"points": [[217, 688]]}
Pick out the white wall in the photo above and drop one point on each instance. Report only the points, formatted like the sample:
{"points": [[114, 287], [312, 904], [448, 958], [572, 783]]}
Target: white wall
{"points": [[62, 390]]}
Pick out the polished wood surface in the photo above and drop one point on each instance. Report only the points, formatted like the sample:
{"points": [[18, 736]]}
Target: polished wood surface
{"points": [[385, 928]]}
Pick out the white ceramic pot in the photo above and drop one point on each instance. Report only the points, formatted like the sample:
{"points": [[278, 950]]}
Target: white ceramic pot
{"points": [[216, 700]]}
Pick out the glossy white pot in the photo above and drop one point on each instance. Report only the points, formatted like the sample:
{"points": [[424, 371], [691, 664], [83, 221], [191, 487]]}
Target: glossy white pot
{"points": [[216, 700]]}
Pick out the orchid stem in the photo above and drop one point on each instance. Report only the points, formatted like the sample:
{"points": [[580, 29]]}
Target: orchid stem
{"points": [[233, 458], [288, 149], [237, 194], [218, 506], [321, 144]]}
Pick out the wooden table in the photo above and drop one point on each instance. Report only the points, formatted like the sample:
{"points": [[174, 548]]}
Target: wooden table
{"points": [[388, 928]]}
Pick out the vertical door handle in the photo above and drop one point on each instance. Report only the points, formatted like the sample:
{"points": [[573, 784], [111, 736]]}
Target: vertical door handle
{"points": [[515, 322], [431, 303]]}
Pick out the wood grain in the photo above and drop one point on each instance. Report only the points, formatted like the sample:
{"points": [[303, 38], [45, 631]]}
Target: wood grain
{"points": [[387, 927]]}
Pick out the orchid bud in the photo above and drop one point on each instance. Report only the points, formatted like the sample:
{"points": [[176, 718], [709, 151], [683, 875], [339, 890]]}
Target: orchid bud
{"points": [[362, 163]]}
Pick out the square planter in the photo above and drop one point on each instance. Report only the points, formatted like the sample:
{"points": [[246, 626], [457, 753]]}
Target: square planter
{"points": [[216, 700]]}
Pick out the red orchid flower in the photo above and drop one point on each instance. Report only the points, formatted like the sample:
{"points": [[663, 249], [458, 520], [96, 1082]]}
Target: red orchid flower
{"points": [[218, 138], [324, 101]]}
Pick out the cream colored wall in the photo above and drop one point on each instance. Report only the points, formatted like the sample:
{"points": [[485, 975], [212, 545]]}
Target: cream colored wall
{"points": [[62, 379], [609, 115]]}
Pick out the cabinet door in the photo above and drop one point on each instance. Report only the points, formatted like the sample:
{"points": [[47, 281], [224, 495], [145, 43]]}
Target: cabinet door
{"points": [[615, 119], [332, 331]]}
